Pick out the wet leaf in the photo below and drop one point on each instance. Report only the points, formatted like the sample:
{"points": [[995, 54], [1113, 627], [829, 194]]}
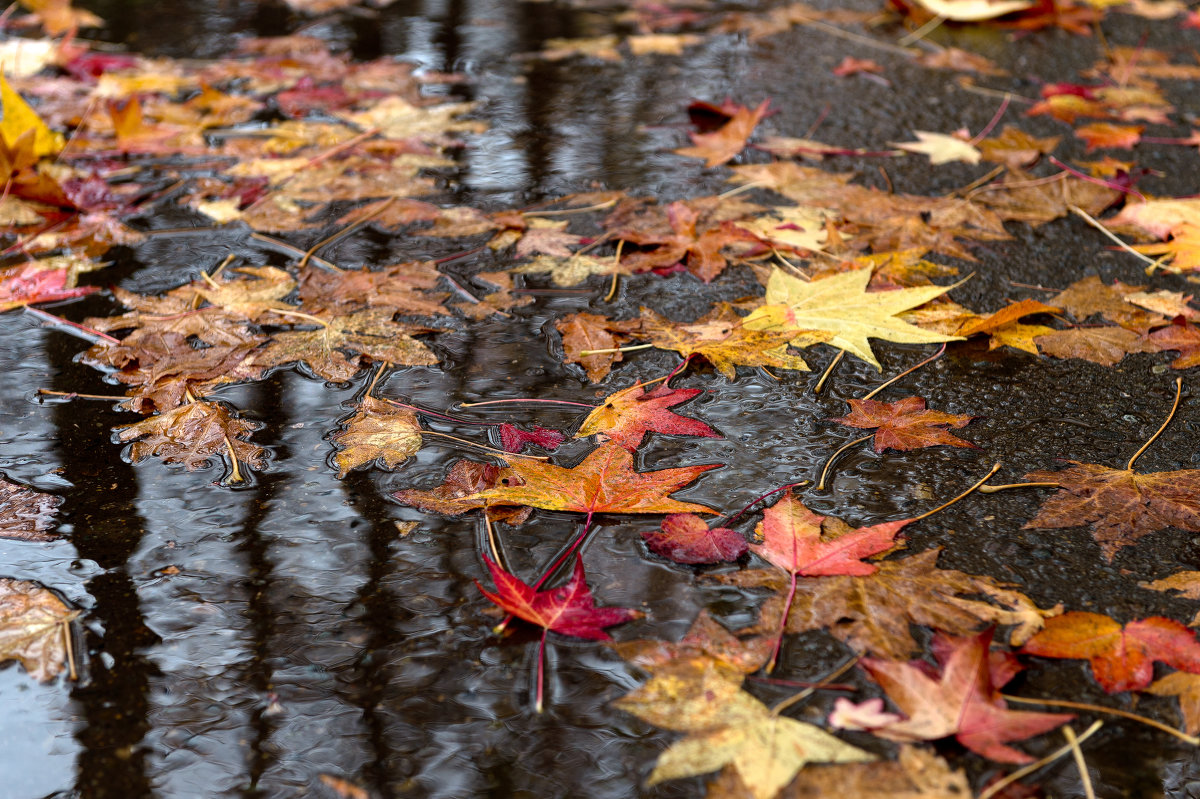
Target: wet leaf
{"points": [[916, 774], [25, 514], [33, 628], [191, 435], [568, 609], [31, 283], [629, 414], [1120, 505], [604, 482], [1016, 149], [961, 701], [906, 424], [514, 439], [377, 431], [460, 491], [1005, 330], [686, 538], [727, 726], [19, 118], [1106, 345], [801, 542], [583, 332], [705, 639], [1186, 687], [841, 305], [1121, 657], [728, 140], [940, 147]]}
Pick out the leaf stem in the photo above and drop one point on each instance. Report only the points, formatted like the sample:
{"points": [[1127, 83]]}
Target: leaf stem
{"points": [[524, 399], [1112, 711], [483, 446], [546, 575], [616, 275], [75, 395], [346, 231], [69, 646], [995, 468], [435, 414], [1170, 416], [85, 333], [834, 457], [1112, 236], [236, 473], [300, 315], [1006, 486], [282, 246], [541, 673], [787, 609], [1084, 778], [1000, 785], [907, 371], [807, 692], [829, 371], [633, 348]]}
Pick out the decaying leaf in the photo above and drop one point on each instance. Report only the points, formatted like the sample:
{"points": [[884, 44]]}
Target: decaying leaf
{"points": [[686, 538], [25, 514], [377, 431], [192, 435], [34, 628], [585, 332], [705, 639], [727, 141], [916, 774], [460, 492], [906, 424], [1186, 687]]}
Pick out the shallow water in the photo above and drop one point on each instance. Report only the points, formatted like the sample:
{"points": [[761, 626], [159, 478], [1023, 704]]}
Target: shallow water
{"points": [[300, 636]]}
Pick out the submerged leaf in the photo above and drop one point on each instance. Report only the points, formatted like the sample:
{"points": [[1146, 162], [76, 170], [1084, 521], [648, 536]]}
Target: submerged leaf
{"points": [[33, 627]]}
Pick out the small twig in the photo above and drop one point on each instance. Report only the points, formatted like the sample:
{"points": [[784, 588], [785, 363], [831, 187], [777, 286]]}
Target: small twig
{"points": [[1084, 778], [483, 446], [1167, 421], [75, 395], [978, 137], [300, 315], [995, 468], [1089, 179], [1025, 771], [491, 537], [1112, 711], [280, 245], [907, 371], [807, 692], [584, 210], [758, 499], [346, 231], [1112, 236], [524, 399], [829, 371], [633, 348], [834, 457]]}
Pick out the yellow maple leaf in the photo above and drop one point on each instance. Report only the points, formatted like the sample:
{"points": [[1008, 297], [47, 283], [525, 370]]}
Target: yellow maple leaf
{"points": [[941, 148], [19, 118], [841, 306]]}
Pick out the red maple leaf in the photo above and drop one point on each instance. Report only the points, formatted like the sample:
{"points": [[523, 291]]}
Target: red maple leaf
{"points": [[514, 439], [627, 415], [29, 283], [569, 609], [801, 542], [1121, 657], [906, 424], [961, 701], [686, 538]]}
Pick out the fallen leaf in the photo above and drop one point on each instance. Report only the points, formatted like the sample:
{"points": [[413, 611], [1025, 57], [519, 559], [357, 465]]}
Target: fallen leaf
{"points": [[1187, 583], [25, 514], [852, 66], [30, 283], [1186, 687], [960, 701], [1004, 329], [727, 726], [569, 609], [805, 543], [584, 332], [726, 142], [33, 628], [407, 287], [706, 639], [1104, 345], [940, 147], [1121, 657], [514, 439], [1181, 336], [974, 10], [604, 482], [1091, 296], [841, 305], [191, 435], [1120, 505], [916, 774], [627, 415], [686, 538], [1105, 135], [377, 431], [572, 270], [1015, 148], [19, 119], [459, 493], [906, 424]]}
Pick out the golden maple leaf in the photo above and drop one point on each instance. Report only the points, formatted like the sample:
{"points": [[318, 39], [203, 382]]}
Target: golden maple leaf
{"points": [[841, 305]]}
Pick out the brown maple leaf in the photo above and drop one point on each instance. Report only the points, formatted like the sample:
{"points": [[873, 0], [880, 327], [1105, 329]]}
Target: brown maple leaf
{"points": [[604, 482], [460, 492], [1004, 327], [873, 613], [34, 625], [407, 287], [1090, 296], [192, 434], [1181, 336], [916, 774], [728, 140], [25, 514], [706, 638], [906, 424], [371, 332], [1015, 148], [721, 338], [377, 431], [585, 332], [1120, 505], [1106, 345]]}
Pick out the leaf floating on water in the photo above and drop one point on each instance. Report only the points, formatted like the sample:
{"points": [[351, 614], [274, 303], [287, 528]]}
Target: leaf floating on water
{"points": [[192, 435], [25, 514], [377, 431], [34, 628]]}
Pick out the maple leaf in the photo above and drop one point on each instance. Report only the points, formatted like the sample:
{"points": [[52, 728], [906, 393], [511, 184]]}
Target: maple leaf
{"points": [[584, 332], [722, 338], [34, 628], [1016, 149], [693, 238], [1106, 345], [1120, 504], [916, 774], [627, 415], [1181, 253], [973, 10], [25, 514], [1121, 657], [960, 701], [568, 609], [1181, 336], [604, 482], [1105, 135], [805, 543], [873, 613], [1004, 329], [31, 283], [459, 493], [706, 639], [906, 424], [377, 431], [405, 287], [371, 332], [574, 269], [1089, 296], [723, 144], [192, 434], [941, 148], [514, 439], [686, 538], [840, 305], [19, 118], [728, 726]]}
